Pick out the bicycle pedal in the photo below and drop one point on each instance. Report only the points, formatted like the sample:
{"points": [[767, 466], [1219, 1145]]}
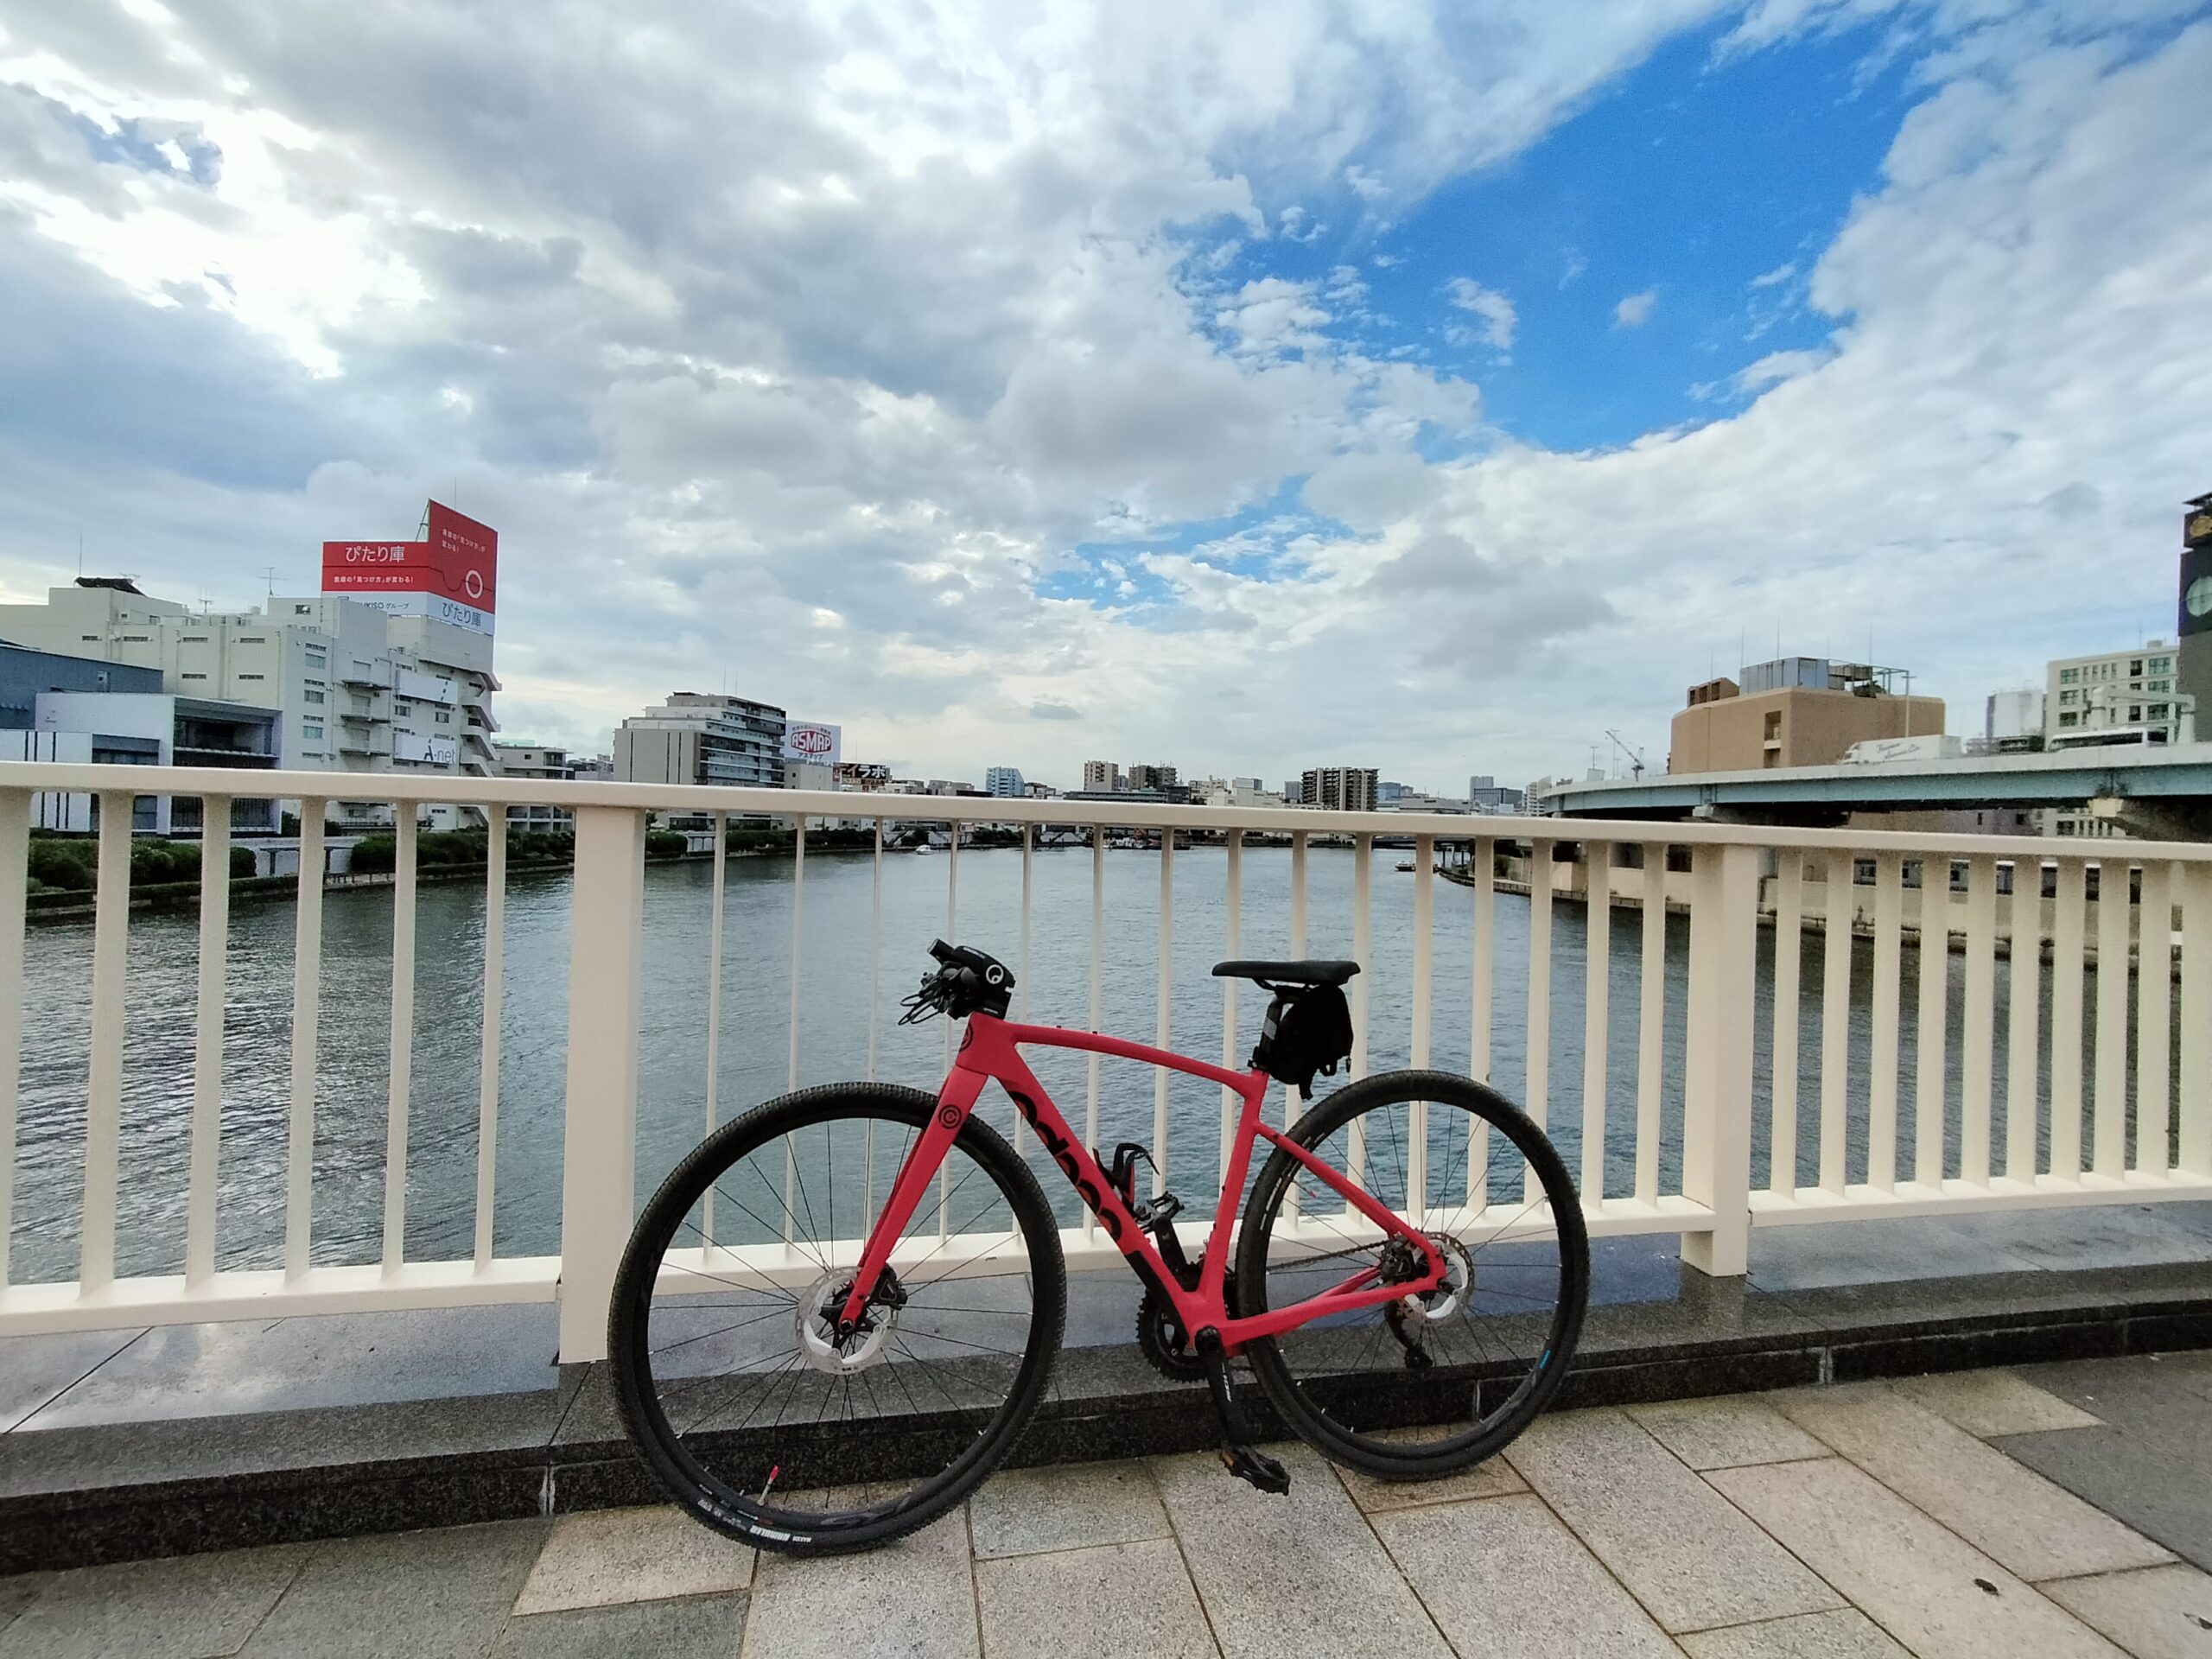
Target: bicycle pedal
{"points": [[1257, 1467], [1157, 1211]]}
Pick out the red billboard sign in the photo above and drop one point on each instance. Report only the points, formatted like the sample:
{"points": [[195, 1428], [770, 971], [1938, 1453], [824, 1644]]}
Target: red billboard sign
{"points": [[452, 575]]}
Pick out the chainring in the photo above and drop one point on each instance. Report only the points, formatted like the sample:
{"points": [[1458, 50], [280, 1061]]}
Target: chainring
{"points": [[1164, 1342]]}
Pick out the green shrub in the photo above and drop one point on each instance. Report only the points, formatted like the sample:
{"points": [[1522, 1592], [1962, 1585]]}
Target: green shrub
{"points": [[666, 843], [241, 861]]}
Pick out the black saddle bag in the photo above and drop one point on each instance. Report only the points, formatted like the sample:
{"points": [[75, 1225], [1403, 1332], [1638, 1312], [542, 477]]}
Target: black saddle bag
{"points": [[1307, 1030]]}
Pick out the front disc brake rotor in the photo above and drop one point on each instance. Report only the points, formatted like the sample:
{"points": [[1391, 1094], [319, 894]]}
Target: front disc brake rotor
{"points": [[817, 1329]]}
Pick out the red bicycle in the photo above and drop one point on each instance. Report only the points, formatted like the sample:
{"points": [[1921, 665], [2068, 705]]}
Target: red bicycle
{"points": [[839, 1312]]}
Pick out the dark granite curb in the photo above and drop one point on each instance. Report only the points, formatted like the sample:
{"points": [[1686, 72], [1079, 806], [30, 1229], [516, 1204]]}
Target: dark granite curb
{"points": [[78, 1496]]}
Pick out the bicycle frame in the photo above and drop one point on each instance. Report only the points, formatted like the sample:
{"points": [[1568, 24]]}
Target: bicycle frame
{"points": [[990, 1049]]}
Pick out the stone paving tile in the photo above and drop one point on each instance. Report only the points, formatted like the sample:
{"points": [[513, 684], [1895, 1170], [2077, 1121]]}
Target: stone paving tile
{"points": [[18, 1593], [1020, 1511], [2026, 1523], [916, 1596], [1109, 1602], [2155, 1613], [1493, 1479], [1846, 1635], [402, 1594], [1535, 1589], [608, 1556], [1932, 1590], [178, 1607], [36, 1370], [1993, 1402], [1723, 1434], [2164, 1494], [689, 1627], [1684, 1552], [1297, 1574]]}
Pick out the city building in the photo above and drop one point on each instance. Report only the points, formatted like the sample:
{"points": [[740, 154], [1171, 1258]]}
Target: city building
{"points": [[1143, 778], [1795, 711], [1101, 777], [358, 688], [25, 673], [1486, 794], [1387, 790], [2125, 695], [151, 729], [1338, 788], [518, 759], [1241, 792], [697, 737], [1006, 782], [2013, 720], [1413, 800]]}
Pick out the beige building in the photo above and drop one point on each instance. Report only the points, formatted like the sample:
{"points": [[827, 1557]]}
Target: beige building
{"points": [[358, 690], [1795, 711], [1339, 789], [546, 764], [2128, 693]]}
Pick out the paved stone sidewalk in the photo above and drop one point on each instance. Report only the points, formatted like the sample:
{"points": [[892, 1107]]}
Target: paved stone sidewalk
{"points": [[2055, 1511]]}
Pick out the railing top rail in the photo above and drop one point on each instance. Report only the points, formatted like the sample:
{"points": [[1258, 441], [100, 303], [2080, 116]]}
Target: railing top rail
{"points": [[444, 789]]}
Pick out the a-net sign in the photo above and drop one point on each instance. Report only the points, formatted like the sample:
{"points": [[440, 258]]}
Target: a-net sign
{"points": [[451, 575]]}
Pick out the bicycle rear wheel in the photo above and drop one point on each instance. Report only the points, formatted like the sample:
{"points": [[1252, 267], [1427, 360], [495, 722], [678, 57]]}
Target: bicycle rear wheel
{"points": [[1426, 1385], [759, 1419]]}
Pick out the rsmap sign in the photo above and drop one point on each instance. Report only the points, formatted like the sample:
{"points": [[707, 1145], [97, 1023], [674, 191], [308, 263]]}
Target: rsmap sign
{"points": [[810, 743]]}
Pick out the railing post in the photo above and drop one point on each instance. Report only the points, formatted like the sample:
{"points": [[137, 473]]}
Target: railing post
{"points": [[598, 1171], [1717, 1072]]}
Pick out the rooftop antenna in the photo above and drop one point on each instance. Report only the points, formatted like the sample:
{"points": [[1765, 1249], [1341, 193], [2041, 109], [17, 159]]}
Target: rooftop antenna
{"points": [[268, 574], [80, 552]]}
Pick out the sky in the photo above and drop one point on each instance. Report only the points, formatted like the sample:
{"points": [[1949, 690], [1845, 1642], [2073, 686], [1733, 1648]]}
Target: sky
{"points": [[1432, 387]]}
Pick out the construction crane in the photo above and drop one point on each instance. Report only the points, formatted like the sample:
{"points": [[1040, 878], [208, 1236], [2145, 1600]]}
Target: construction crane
{"points": [[1634, 755]]}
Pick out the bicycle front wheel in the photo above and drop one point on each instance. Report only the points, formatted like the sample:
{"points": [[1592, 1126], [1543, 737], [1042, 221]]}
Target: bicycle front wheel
{"points": [[1426, 1384], [758, 1416]]}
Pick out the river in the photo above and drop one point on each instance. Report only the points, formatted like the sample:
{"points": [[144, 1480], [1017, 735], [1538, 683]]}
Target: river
{"points": [[833, 1030]]}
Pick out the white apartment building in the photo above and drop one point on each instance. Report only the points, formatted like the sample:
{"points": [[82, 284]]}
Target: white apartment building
{"points": [[2115, 690], [2120, 696], [357, 691], [1006, 782], [518, 759], [1101, 777]]}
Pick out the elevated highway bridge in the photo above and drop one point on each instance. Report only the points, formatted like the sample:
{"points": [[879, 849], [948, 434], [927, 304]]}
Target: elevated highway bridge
{"points": [[2160, 790]]}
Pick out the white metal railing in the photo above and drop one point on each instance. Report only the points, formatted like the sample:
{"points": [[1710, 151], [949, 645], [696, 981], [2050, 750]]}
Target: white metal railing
{"points": [[1773, 1126]]}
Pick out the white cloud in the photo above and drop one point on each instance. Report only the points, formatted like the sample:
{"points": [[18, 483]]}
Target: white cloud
{"points": [[735, 322], [1779, 274], [1499, 321], [1635, 310]]}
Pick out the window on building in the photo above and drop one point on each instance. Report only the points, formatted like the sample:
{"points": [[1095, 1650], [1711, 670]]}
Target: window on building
{"points": [[2067, 676], [444, 717], [2159, 685], [253, 640], [2162, 664], [192, 639], [195, 676], [136, 638], [2135, 667], [317, 657], [2068, 719], [252, 677], [2158, 711], [90, 638], [2066, 699], [302, 610], [2134, 713], [315, 696]]}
